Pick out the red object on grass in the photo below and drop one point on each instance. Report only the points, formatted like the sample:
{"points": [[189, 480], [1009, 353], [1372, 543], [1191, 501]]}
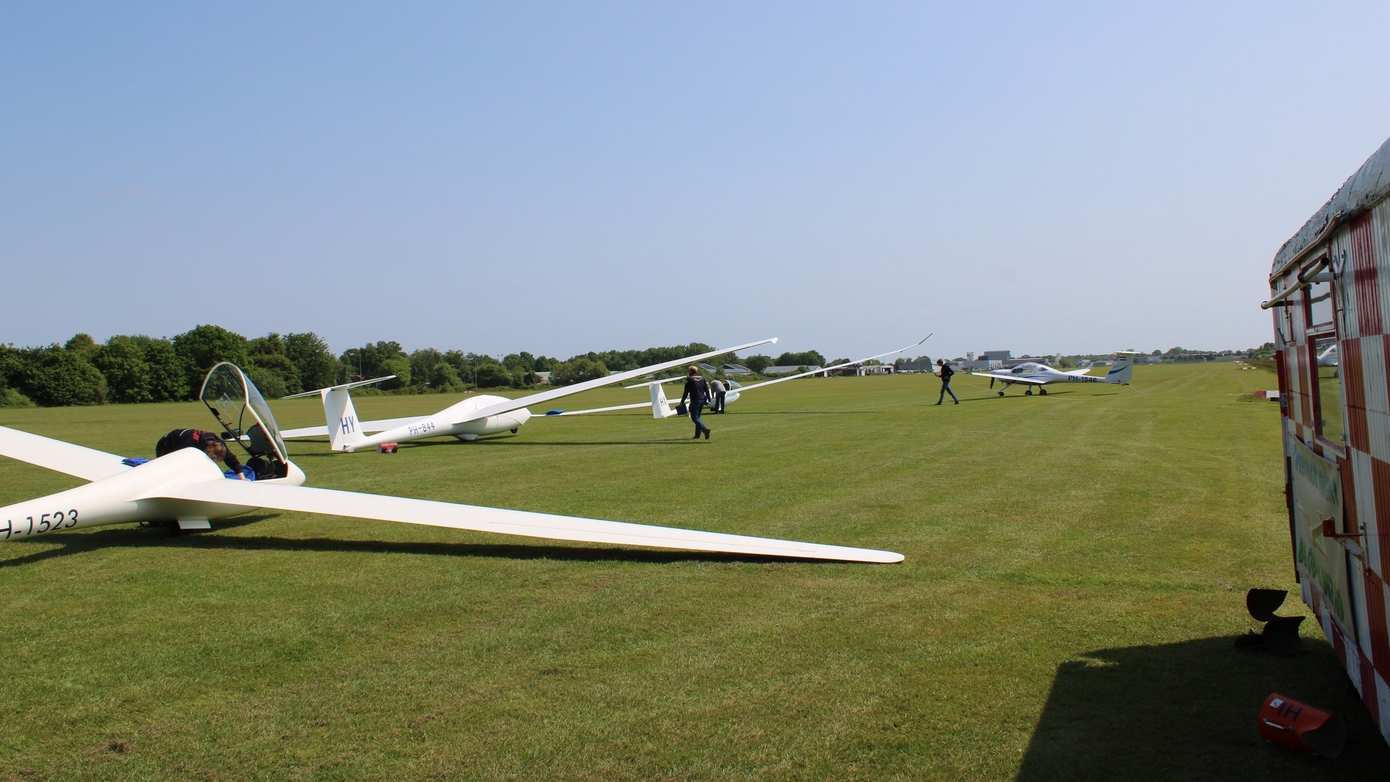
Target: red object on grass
{"points": [[1301, 727], [388, 447]]}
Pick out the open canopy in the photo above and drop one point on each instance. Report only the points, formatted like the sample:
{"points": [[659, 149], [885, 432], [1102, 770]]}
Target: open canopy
{"points": [[238, 406]]}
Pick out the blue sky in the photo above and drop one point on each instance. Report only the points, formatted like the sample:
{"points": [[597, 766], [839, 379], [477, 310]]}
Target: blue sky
{"points": [[569, 177]]}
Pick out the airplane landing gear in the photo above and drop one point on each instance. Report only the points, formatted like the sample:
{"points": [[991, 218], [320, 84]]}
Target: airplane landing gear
{"points": [[1001, 393], [514, 428], [1042, 391], [1028, 392]]}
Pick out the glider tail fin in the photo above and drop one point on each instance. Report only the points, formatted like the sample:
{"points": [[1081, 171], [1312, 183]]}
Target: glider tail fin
{"points": [[339, 414], [660, 407]]}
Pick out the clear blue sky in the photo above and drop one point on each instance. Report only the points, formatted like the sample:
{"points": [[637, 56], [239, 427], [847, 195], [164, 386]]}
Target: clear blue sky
{"points": [[563, 177]]}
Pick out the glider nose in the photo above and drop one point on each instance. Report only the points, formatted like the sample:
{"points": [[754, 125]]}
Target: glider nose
{"points": [[295, 476]]}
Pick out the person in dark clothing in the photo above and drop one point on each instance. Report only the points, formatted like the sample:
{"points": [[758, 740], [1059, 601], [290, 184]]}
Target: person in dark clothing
{"points": [[207, 442], [698, 392], [945, 371], [717, 386]]}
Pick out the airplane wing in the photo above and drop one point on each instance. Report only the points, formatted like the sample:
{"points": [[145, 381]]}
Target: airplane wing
{"points": [[1010, 378], [501, 521], [80, 461], [620, 377], [744, 389], [366, 426]]}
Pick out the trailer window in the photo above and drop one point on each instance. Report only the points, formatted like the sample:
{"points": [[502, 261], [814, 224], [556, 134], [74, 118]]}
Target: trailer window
{"points": [[1327, 387], [1319, 306]]}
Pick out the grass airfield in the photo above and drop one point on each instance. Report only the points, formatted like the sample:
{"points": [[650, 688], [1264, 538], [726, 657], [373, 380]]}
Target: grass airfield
{"points": [[1075, 576]]}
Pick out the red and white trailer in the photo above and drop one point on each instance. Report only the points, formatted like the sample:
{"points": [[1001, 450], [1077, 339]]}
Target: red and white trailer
{"points": [[1330, 285]]}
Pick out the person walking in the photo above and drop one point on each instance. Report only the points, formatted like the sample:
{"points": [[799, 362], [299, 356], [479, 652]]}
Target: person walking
{"points": [[944, 369], [698, 392], [717, 386]]}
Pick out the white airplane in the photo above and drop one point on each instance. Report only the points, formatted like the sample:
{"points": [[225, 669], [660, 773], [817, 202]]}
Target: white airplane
{"points": [[1031, 373], [188, 488], [467, 420], [1329, 357], [664, 408]]}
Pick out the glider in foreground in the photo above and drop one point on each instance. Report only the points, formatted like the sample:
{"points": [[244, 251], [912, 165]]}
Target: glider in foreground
{"points": [[1031, 373], [466, 420], [188, 488], [664, 408]]}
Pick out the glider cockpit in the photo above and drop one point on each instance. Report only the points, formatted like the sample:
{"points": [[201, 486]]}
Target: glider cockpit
{"points": [[246, 419]]}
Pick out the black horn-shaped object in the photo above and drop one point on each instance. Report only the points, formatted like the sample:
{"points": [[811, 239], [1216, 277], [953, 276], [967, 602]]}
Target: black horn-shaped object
{"points": [[1262, 603], [1280, 633]]}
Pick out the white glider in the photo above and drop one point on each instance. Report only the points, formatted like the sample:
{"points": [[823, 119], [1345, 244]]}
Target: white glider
{"points": [[1032, 373], [189, 488], [467, 420], [664, 408]]}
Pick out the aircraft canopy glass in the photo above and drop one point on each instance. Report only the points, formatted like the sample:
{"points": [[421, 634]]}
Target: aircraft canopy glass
{"points": [[245, 417]]}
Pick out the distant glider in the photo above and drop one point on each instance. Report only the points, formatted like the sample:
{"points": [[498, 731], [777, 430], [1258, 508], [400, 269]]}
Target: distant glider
{"points": [[188, 488], [467, 420]]}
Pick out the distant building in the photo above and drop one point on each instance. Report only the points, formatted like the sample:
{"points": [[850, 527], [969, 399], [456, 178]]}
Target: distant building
{"points": [[543, 378], [736, 369], [996, 355], [873, 369], [785, 370]]}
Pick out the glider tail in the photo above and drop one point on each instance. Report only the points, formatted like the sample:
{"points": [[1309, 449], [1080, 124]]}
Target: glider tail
{"points": [[339, 414], [660, 407]]}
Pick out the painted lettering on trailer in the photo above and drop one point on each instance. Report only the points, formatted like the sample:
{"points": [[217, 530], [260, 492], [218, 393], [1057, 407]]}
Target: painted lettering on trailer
{"points": [[45, 522]]}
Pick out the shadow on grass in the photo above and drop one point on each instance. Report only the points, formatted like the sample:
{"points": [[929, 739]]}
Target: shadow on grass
{"points": [[61, 545], [667, 441], [143, 537], [1187, 711], [997, 398], [802, 412]]}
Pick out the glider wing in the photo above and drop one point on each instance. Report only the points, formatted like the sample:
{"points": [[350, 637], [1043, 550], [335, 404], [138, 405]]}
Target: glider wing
{"points": [[504, 522], [620, 377], [56, 455]]}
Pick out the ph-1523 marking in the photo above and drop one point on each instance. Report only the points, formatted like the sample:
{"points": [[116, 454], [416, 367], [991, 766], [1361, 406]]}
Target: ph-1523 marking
{"points": [[46, 522]]}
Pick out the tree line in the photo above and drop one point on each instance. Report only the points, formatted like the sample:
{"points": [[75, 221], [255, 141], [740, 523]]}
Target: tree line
{"points": [[136, 368]]}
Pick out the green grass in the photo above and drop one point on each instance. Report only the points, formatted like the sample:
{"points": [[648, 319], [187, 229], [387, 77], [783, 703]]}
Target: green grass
{"points": [[1075, 574]]}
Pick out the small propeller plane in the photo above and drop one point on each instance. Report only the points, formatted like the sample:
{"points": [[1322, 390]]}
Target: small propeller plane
{"points": [[467, 420], [1032, 373], [188, 488], [664, 408]]}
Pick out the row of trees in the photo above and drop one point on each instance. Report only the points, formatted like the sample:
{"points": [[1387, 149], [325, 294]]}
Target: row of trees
{"points": [[132, 368]]}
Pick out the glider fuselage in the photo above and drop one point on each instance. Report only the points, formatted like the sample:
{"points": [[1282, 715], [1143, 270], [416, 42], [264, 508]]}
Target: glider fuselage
{"points": [[446, 422], [126, 497]]}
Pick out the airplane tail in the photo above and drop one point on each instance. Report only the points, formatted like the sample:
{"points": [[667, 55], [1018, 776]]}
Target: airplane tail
{"points": [[340, 415], [1121, 371], [660, 407]]}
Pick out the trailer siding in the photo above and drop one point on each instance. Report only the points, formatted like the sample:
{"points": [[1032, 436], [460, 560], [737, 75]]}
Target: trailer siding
{"points": [[1359, 248]]}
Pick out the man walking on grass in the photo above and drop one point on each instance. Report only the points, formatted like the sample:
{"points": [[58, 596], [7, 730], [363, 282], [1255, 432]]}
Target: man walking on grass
{"points": [[698, 392], [945, 371]]}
